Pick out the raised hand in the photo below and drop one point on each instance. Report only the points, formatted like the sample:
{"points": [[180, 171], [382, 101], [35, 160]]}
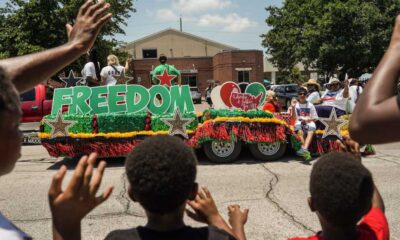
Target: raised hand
{"points": [[69, 207], [204, 207], [237, 219], [91, 18]]}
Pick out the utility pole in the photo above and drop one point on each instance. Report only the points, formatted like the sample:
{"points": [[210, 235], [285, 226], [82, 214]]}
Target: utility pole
{"points": [[180, 22]]}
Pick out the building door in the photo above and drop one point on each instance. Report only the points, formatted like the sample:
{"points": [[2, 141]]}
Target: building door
{"points": [[243, 76]]}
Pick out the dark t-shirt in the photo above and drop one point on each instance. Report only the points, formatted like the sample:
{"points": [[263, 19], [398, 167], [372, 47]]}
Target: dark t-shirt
{"points": [[143, 233]]}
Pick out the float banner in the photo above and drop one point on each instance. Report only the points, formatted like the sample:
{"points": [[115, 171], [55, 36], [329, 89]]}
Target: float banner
{"points": [[122, 99]]}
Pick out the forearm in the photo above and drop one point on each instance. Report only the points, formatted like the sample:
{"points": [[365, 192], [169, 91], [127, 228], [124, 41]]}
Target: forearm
{"points": [[377, 201], [29, 70], [346, 91], [377, 107], [239, 232], [73, 233], [219, 222]]}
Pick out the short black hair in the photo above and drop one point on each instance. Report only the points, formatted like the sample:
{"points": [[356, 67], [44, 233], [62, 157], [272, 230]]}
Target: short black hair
{"points": [[9, 100], [341, 188], [161, 171], [163, 58]]}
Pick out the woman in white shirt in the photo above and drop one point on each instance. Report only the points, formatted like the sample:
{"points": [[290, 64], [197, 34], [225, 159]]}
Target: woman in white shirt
{"points": [[91, 70], [110, 73], [313, 88]]}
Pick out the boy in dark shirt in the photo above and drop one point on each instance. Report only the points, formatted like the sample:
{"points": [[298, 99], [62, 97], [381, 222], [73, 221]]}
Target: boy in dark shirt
{"points": [[342, 194], [161, 172]]}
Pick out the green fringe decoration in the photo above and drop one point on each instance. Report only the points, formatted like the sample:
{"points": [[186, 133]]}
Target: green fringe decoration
{"points": [[121, 122], [237, 113], [83, 123]]}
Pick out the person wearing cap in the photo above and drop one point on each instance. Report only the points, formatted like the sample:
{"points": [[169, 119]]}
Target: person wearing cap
{"points": [[271, 104], [334, 98], [171, 70], [305, 115], [313, 88]]}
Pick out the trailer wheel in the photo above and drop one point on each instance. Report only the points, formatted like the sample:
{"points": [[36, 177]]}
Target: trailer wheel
{"points": [[222, 152], [268, 151]]}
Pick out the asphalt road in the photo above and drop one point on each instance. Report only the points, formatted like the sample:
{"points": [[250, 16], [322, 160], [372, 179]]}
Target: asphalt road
{"points": [[275, 193]]}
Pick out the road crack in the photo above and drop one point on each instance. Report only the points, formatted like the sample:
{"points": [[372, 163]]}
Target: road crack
{"points": [[269, 196], [124, 199]]}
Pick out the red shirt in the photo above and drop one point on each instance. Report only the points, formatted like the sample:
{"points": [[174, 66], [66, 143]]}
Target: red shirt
{"points": [[373, 227], [269, 107]]}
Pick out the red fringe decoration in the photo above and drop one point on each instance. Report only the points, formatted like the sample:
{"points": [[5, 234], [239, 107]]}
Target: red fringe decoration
{"points": [[102, 148]]}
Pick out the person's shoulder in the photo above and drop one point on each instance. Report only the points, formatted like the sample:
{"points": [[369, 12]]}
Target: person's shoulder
{"points": [[123, 234], [375, 224]]}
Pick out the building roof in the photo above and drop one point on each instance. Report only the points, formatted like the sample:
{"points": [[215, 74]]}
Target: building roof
{"points": [[184, 34]]}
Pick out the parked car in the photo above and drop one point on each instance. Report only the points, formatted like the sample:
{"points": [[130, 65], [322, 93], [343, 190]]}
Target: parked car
{"points": [[196, 94], [36, 103], [285, 93]]}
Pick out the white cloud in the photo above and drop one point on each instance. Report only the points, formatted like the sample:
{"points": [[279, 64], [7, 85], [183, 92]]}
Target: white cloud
{"points": [[166, 15], [200, 5], [230, 23]]}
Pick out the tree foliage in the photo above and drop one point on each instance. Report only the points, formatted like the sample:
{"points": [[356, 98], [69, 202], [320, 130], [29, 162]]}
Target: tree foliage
{"points": [[333, 36], [35, 25]]}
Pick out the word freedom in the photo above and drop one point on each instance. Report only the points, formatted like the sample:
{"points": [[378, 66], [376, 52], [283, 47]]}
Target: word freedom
{"points": [[122, 99]]}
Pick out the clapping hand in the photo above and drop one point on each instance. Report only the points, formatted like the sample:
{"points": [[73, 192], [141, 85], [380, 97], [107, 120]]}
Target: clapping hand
{"points": [[70, 206]]}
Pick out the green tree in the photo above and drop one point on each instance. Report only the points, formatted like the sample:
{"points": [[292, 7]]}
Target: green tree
{"points": [[336, 36], [31, 26]]}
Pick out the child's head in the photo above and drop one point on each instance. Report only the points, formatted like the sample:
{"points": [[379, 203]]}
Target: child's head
{"points": [[10, 114], [341, 190], [302, 94], [162, 171]]}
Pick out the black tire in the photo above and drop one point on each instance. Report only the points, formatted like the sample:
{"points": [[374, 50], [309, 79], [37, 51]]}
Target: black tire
{"points": [[275, 152], [211, 148]]}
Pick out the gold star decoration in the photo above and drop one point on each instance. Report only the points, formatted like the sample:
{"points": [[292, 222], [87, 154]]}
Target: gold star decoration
{"points": [[333, 124], [177, 125], [122, 78], [59, 126]]}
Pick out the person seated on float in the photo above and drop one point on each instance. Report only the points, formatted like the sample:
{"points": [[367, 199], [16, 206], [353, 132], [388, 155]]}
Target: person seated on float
{"points": [[334, 98], [313, 88], [271, 103], [110, 73], [305, 114], [171, 70]]}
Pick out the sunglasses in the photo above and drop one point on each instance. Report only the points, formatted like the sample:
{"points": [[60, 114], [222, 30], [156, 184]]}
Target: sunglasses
{"points": [[302, 94], [335, 84]]}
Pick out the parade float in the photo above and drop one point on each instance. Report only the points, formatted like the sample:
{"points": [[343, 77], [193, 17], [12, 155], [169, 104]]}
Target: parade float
{"points": [[112, 120]]}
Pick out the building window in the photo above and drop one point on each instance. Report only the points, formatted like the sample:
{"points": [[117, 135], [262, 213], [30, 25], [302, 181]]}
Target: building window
{"points": [[243, 76], [149, 53], [190, 80]]}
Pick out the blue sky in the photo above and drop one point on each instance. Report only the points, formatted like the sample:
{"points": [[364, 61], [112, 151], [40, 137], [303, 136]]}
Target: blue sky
{"points": [[238, 23]]}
